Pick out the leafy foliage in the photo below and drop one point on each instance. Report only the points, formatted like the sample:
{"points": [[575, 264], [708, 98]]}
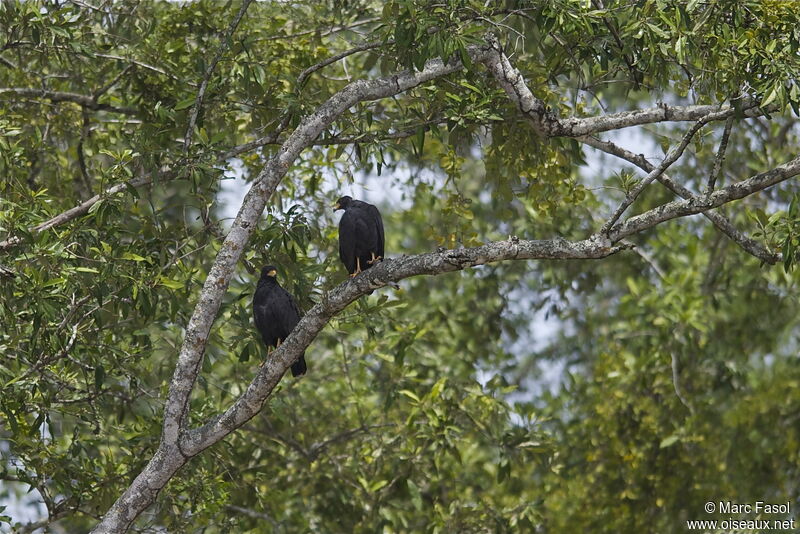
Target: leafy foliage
{"points": [[433, 409]]}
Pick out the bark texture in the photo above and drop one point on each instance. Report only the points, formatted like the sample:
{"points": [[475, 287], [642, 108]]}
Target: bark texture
{"points": [[179, 442]]}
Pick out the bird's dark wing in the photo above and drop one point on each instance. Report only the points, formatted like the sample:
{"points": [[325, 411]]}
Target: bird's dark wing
{"points": [[260, 315], [377, 222], [286, 312], [294, 306], [347, 241]]}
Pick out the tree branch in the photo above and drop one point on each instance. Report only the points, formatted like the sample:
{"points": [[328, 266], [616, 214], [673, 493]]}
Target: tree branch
{"points": [[170, 457], [179, 442], [394, 270], [172, 452], [168, 174], [700, 204], [61, 96], [547, 124], [139, 64], [723, 146], [36, 525], [676, 383], [508, 77], [720, 221], [77, 211], [333, 59], [330, 31], [670, 158], [254, 514]]}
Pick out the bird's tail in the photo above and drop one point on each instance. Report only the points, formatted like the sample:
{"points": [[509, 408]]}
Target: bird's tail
{"points": [[299, 367]]}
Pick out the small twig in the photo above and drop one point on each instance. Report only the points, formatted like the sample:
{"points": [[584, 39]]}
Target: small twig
{"points": [[73, 307], [672, 155], [290, 442], [50, 359], [7, 63], [254, 514], [89, 6], [317, 448], [333, 59], [36, 525], [598, 4], [85, 131], [649, 259], [223, 47], [676, 384], [723, 146], [140, 64], [100, 92], [322, 34]]}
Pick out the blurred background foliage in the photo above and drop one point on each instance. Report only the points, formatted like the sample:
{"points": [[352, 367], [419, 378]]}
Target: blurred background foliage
{"points": [[607, 396]]}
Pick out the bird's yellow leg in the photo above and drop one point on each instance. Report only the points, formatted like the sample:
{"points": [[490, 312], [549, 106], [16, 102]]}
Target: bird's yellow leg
{"points": [[358, 268], [271, 351], [374, 258]]}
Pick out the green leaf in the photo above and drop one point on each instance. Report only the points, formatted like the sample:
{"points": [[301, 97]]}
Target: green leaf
{"points": [[437, 388], [186, 103], [668, 441], [170, 283], [133, 257], [245, 354], [410, 395]]}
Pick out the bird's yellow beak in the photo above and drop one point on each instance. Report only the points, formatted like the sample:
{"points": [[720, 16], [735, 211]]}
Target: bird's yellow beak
{"points": [[336, 206], [272, 273]]}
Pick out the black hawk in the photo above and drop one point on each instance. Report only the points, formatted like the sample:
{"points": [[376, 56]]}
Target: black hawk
{"points": [[360, 234], [276, 314]]}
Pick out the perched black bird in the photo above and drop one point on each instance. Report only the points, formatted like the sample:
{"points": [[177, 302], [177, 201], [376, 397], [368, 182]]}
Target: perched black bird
{"points": [[276, 314], [360, 235]]}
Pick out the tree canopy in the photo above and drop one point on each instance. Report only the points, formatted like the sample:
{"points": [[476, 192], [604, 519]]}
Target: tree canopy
{"points": [[591, 208]]}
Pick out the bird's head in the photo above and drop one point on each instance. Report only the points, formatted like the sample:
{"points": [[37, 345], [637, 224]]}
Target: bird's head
{"points": [[270, 271], [342, 203]]}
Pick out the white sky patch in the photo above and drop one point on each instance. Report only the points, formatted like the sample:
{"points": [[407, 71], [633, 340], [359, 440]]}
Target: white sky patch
{"points": [[232, 189], [23, 504]]}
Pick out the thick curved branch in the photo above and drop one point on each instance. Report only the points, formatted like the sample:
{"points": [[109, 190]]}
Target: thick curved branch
{"points": [[178, 442], [247, 218], [171, 454], [720, 221], [386, 272], [701, 204], [548, 124], [87, 102]]}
